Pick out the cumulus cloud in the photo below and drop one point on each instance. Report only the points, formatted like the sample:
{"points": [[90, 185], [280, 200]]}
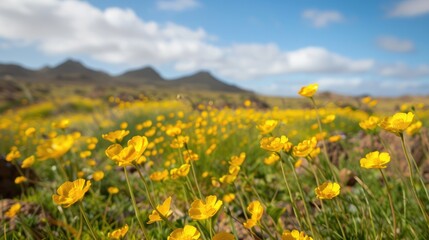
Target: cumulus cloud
{"points": [[176, 5], [319, 18], [118, 36], [393, 44], [401, 70], [410, 8]]}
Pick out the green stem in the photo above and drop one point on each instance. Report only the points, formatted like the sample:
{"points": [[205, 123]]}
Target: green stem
{"points": [[307, 213], [133, 201], [294, 207], [323, 140], [410, 167], [86, 220], [151, 202], [391, 204]]}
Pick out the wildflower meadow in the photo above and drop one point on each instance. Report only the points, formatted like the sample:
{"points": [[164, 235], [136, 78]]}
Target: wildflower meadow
{"points": [[163, 168]]}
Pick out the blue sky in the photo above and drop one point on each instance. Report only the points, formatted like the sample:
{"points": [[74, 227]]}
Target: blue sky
{"points": [[271, 47]]}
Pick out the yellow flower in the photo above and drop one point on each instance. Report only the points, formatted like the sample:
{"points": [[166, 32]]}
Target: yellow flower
{"points": [[229, 197], [190, 156], [173, 131], [179, 141], [30, 131], [187, 233], [327, 190], [13, 154], [55, 147], [267, 126], [295, 235], [334, 138], [375, 160], [275, 144], [71, 192], [125, 156], [256, 210], [309, 91], [118, 233], [328, 119], [98, 175], [274, 157], [238, 160], [123, 125], [28, 162], [20, 179], [63, 124], [247, 103], [414, 128], [164, 209], [397, 123], [13, 210], [183, 170], [223, 236], [115, 136], [200, 210], [370, 123], [305, 148], [112, 190], [159, 175]]}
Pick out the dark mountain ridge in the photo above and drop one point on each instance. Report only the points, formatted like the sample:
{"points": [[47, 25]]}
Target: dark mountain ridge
{"points": [[72, 71]]}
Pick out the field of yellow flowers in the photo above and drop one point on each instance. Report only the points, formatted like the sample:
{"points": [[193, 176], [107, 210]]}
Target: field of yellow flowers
{"points": [[162, 169]]}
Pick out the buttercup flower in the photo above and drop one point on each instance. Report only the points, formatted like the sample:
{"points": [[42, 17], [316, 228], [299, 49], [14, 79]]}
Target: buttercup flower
{"points": [[370, 124], [13, 210], [71, 192], [397, 123], [173, 131], [223, 236], [238, 160], [164, 209], [295, 235], [118, 233], [267, 126], [28, 162], [309, 91], [179, 141], [159, 175], [115, 136], [98, 175], [202, 210], [112, 190], [327, 190], [125, 156], [414, 128], [305, 148], [271, 159], [13, 154], [375, 160], [187, 233], [256, 210], [55, 147], [275, 144], [328, 119], [20, 179]]}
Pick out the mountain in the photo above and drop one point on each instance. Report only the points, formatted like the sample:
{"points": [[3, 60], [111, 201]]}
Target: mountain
{"points": [[142, 75], [204, 81], [14, 71], [72, 71]]}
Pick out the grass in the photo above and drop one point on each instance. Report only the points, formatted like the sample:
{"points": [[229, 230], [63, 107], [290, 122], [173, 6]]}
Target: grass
{"points": [[217, 132]]}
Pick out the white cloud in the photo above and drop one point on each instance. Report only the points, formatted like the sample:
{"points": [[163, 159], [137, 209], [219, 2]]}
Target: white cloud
{"points": [[393, 44], [400, 70], [335, 83], [320, 18], [119, 36], [410, 8], [176, 5]]}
